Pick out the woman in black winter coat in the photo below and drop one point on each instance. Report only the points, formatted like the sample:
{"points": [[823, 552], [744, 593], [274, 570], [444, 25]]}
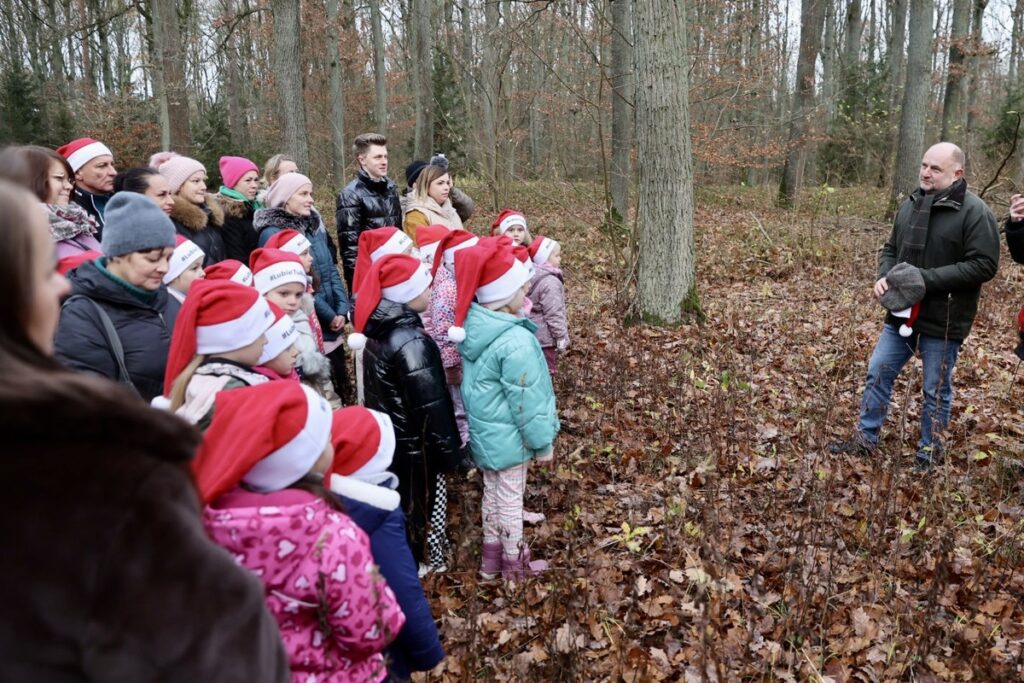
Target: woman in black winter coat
{"points": [[108, 575], [403, 376], [237, 196], [126, 288]]}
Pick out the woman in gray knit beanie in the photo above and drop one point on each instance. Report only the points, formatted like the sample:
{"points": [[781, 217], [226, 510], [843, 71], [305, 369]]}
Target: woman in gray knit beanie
{"points": [[120, 300]]}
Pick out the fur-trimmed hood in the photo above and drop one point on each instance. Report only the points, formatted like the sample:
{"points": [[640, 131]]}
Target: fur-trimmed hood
{"points": [[234, 208], [194, 217]]}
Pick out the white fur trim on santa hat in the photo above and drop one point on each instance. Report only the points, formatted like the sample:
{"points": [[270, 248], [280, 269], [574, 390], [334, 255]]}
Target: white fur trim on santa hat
{"points": [[185, 254], [277, 274], [381, 460], [374, 495], [509, 221], [449, 253], [396, 244], [295, 459], [544, 251], [83, 155], [243, 276], [407, 290], [296, 245], [429, 251], [505, 286], [280, 336], [235, 334]]}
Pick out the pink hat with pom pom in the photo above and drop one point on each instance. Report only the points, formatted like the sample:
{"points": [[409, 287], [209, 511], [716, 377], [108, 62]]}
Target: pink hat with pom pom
{"points": [[175, 168]]}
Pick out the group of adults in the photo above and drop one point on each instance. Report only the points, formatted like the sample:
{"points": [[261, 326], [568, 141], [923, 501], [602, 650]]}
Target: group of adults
{"points": [[118, 322]]}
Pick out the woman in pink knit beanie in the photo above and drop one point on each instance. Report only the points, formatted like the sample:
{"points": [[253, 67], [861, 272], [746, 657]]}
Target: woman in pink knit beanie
{"points": [[197, 215], [240, 180]]}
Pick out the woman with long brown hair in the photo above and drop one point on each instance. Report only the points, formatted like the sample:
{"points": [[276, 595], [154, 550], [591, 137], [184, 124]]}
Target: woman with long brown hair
{"points": [[107, 573]]}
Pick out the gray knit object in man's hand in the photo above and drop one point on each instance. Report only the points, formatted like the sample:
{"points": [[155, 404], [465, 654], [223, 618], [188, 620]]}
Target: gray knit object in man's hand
{"points": [[906, 287]]}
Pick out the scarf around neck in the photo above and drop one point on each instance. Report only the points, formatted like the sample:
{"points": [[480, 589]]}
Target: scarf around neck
{"points": [[912, 248], [239, 197], [68, 221]]}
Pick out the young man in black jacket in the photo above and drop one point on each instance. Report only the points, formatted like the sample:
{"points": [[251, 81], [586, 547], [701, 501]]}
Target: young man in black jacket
{"points": [[369, 201]]}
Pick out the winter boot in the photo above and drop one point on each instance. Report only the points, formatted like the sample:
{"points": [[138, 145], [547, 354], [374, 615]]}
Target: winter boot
{"points": [[490, 561], [513, 568]]}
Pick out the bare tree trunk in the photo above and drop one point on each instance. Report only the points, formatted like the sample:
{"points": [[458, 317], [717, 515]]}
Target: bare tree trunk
{"points": [[337, 108], [1016, 34], [896, 51], [910, 143], [812, 17], [236, 119], [380, 111], [171, 64], [288, 74], [423, 81], [622, 111], [489, 79], [88, 77], [952, 105], [974, 73], [666, 288]]}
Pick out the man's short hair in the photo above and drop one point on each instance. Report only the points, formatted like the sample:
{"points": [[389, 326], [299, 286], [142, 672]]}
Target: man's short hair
{"points": [[361, 145], [959, 157]]}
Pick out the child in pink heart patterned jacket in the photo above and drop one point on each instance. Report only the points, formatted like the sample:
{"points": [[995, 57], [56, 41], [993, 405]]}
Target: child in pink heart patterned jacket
{"points": [[260, 473]]}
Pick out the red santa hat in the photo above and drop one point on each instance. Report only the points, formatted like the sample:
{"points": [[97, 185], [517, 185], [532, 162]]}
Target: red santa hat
{"points": [[910, 314], [230, 269], [272, 268], [395, 277], [268, 436], [292, 241], [373, 244], [428, 238], [186, 252], [523, 254], [83, 150], [364, 443], [488, 272], [69, 263], [506, 219], [454, 241], [542, 248], [280, 335], [217, 316]]}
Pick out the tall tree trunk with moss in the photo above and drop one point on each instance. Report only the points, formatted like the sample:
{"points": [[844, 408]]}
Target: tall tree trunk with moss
{"points": [[812, 22], [336, 113], [622, 110], [380, 83], [666, 286], [910, 143], [423, 78], [956, 72], [173, 98], [288, 74]]}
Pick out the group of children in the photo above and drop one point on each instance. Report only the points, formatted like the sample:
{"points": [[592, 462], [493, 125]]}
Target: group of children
{"points": [[341, 510]]}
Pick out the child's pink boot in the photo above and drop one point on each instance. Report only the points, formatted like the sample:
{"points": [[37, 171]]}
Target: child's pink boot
{"points": [[521, 567], [490, 561]]}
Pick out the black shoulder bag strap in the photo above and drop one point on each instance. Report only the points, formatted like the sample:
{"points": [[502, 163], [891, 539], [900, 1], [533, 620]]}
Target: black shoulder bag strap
{"points": [[109, 332]]}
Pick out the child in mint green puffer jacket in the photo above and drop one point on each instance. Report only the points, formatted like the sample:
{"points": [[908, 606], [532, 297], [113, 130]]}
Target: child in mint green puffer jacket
{"points": [[510, 403]]}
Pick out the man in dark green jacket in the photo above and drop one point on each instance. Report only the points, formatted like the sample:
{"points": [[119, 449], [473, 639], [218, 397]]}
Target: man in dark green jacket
{"points": [[949, 235]]}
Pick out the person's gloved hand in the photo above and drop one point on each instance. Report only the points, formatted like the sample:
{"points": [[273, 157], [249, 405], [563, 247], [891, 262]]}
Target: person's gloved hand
{"points": [[562, 344]]}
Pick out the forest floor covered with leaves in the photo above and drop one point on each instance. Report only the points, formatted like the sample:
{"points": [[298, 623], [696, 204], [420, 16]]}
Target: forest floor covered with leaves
{"points": [[697, 526]]}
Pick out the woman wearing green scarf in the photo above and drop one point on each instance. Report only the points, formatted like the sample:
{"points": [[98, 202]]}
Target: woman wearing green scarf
{"points": [[238, 197]]}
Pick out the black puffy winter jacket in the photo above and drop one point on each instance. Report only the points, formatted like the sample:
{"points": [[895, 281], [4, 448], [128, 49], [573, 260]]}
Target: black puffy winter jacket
{"points": [[364, 204], [1015, 239], [403, 377], [143, 325]]}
